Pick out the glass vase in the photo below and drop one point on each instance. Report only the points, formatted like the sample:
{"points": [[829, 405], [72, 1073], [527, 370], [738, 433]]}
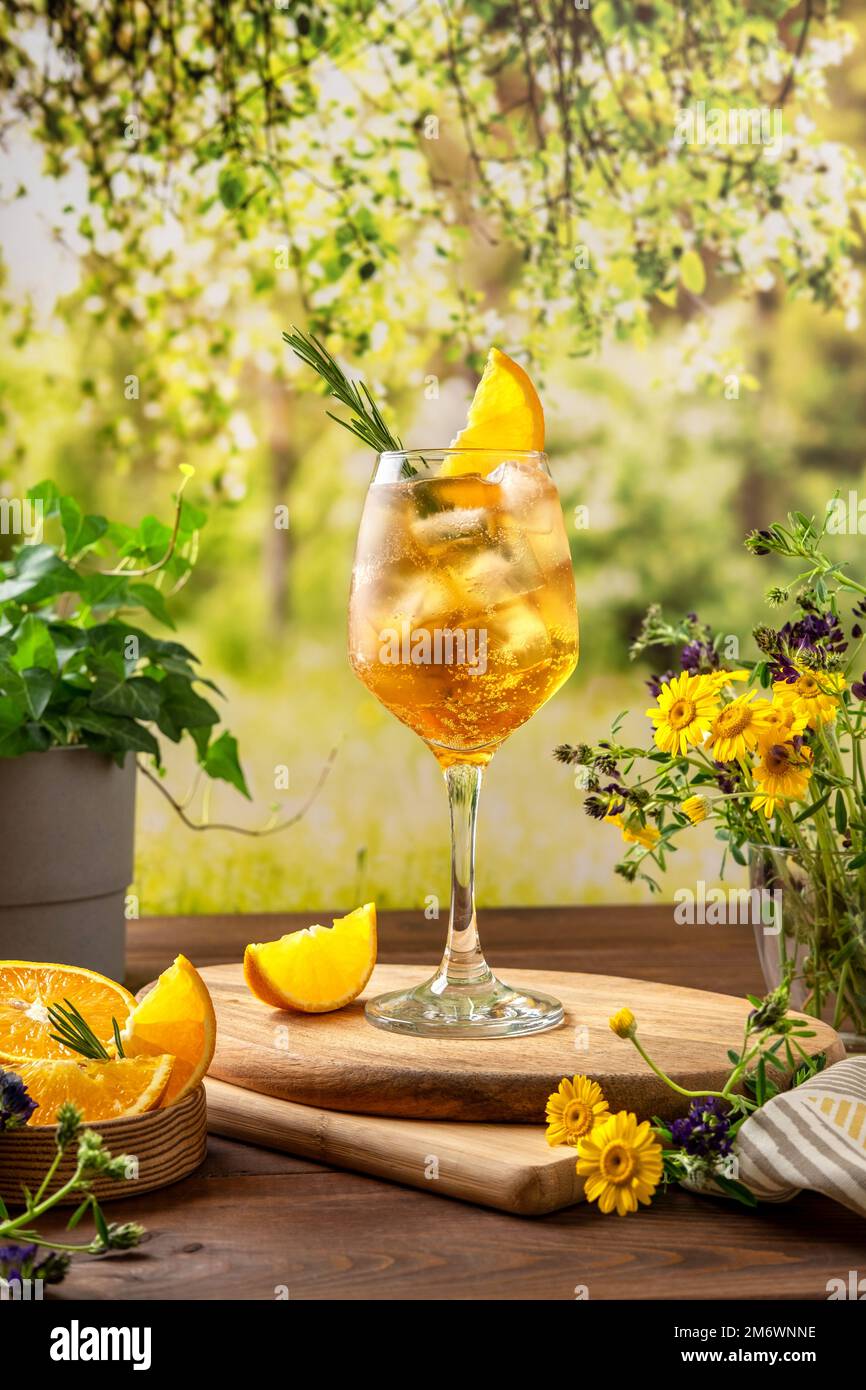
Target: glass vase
{"points": [[811, 914]]}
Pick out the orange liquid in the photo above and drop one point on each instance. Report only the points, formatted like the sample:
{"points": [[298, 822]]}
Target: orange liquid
{"points": [[463, 619]]}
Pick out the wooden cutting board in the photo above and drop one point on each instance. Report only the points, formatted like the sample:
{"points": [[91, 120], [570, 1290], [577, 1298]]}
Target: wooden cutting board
{"points": [[339, 1061], [510, 1167]]}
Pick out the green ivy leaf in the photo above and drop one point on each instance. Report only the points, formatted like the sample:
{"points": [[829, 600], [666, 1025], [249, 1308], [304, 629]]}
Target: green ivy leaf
{"points": [[146, 596], [221, 760], [48, 493], [138, 698], [114, 733], [34, 645], [182, 709], [37, 573], [38, 687]]}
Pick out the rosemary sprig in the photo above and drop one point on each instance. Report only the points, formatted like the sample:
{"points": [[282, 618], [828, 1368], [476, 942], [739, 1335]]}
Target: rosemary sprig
{"points": [[367, 423], [73, 1031]]}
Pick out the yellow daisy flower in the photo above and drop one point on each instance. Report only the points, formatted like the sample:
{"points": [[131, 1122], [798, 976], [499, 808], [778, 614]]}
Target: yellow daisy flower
{"points": [[574, 1110], [723, 678], [685, 709], [813, 696], [695, 807], [621, 1162], [782, 775], [736, 728], [623, 1023], [780, 725], [645, 835]]}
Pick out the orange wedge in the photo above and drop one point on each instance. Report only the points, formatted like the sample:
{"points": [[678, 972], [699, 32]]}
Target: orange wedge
{"points": [[101, 1090], [317, 969], [176, 1016], [505, 413], [27, 989]]}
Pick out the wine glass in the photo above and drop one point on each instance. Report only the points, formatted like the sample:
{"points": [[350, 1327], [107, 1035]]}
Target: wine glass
{"points": [[463, 622]]}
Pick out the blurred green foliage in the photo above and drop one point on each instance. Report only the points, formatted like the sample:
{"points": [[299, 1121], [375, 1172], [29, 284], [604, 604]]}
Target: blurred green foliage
{"points": [[668, 446]]}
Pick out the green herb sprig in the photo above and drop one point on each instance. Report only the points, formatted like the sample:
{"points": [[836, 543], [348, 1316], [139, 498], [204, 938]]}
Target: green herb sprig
{"points": [[73, 1031], [92, 1160], [367, 423]]}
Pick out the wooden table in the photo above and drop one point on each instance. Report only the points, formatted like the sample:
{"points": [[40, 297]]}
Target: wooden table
{"points": [[253, 1224]]}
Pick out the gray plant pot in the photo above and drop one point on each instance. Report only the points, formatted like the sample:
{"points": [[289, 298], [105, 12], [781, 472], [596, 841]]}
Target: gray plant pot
{"points": [[67, 821]]}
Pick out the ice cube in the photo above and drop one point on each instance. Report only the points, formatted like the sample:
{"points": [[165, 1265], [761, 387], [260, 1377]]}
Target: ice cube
{"points": [[428, 600], [457, 526], [495, 574], [516, 634], [530, 499]]}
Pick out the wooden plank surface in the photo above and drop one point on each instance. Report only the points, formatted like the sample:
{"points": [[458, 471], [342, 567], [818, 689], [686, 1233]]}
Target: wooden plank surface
{"points": [[509, 1167], [253, 1223], [338, 1061]]}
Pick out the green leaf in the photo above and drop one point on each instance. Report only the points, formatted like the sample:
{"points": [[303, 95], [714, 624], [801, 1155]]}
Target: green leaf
{"points": [[105, 593], [146, 596], [34, 645], [858, 861], [48, 494], [692, 273], [38, 686], [37, 573], [100, 1223], [67, 642], [112, 733], [137, 698], [70, 520], [736, 1190], [221, 760], [15, 741], [78, 1214], [183, 709], [813, 807], [231, 186], [81, 532], [841, 812]]}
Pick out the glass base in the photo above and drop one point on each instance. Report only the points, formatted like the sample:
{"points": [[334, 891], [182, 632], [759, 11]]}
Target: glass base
{"points": [[487, 1010]]}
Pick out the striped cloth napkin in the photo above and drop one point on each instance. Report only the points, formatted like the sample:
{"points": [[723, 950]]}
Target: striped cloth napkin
{"points": [[813, 1136]]}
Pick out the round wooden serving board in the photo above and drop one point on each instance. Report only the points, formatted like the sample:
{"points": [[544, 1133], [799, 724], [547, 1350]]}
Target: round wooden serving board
{"points": [[339, 1061]]}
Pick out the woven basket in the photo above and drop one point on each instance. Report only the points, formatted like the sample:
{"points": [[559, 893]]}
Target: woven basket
{"points": [[167, 1144]]}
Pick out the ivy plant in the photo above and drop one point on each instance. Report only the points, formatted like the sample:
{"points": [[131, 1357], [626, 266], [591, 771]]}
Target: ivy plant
{"points": [[76, 665]]}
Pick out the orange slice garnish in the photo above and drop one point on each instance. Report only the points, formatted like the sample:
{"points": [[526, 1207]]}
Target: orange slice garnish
{"points": [[176, 1016], [101, 1090], [318, 968], [505, 414]]}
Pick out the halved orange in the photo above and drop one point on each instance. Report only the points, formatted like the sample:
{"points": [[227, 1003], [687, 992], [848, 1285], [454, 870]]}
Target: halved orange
{"points": [[317, 969], [26, 990], [176, 1016], [505, 413], [101, 1090]]}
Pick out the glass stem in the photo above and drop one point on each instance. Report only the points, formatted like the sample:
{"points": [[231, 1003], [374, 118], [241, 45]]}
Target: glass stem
{"points": [[463, 962]]}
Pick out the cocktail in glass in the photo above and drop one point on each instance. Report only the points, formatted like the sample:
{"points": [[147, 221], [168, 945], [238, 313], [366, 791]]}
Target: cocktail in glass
{"points": [[463, 622]]}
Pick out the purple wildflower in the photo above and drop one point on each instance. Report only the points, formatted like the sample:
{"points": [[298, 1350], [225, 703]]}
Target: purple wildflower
{"points": [[16, 1105], [18, 1262], [699, 655], [726, 779], [655, 683], [704, 1131]]}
